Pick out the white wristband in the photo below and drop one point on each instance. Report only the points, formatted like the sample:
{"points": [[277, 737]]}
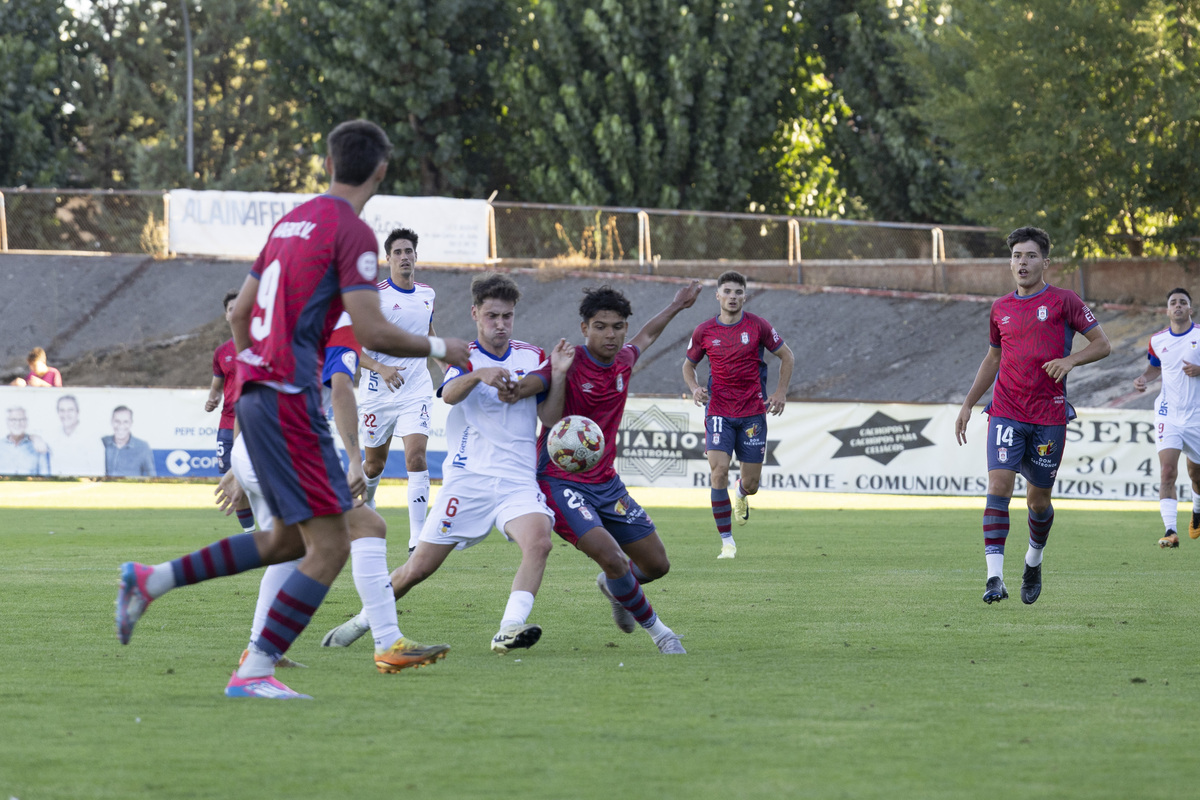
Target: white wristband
{"points": [[437, 347]]}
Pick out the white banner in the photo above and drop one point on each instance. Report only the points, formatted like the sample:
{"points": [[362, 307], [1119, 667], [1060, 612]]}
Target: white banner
{"points": [[236, 224], [822, 447]]}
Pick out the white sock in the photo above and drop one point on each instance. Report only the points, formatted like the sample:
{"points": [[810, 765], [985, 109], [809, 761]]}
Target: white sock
{"points": [[1033, 556], [272, 580], [372, 485], [737, 488], [995, 565], [368, 564], [418, 501], [1196, 504], [257, 664], [658, 630], [517, 610], [161, 580], [1169, 508]]}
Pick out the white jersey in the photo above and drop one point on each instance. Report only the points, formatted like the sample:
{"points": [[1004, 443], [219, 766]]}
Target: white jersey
{"points": [[1179, 398], [410, 311], [485, 436]]}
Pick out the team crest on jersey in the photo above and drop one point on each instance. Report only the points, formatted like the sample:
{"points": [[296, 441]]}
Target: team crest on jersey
{"points": [[745, 338], [1046, 449], [444, 528], [1002, 455], [620, 383], [1043, 313], [368, 266]]}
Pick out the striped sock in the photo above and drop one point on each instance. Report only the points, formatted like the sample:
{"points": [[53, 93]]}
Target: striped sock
{"points": [[642, 577], [995, 532], [629, 593], [297, 601], [721, 511], [1039, 532], [246, 519], [226, 557]]}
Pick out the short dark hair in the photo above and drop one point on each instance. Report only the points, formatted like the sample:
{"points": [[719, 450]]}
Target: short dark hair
{"points": [[357, 147], [230, 295], [731, 276], [1182, 291], [70, 397], [604, 298], [1030, 234], [493, 286], [119, 409], [396, 235]]}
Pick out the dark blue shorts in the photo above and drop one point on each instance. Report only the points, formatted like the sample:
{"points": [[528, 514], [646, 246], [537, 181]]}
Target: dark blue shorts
{"points": [[744, 436], [224, 448], [1035, 451], [579, 507], [292, 452]]}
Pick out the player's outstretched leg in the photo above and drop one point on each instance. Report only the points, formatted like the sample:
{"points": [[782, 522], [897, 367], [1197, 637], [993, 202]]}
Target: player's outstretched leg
{"points": [[629, 594], [995, 534], [140, 584]]}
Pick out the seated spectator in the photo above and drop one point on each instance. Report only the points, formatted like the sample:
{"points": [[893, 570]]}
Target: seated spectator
{"points": [[39, 373], [20, 452], [125, 455]]}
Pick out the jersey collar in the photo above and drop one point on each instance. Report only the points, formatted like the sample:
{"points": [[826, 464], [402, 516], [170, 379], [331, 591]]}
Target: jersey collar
{"points": [[1030, 296], [480, 349], [398, 289]]}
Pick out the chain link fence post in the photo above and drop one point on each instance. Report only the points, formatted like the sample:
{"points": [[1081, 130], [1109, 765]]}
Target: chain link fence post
{"points": [[3, 226]]}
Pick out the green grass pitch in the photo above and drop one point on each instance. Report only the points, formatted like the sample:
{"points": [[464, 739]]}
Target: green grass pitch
{"points": [[844, 653]]}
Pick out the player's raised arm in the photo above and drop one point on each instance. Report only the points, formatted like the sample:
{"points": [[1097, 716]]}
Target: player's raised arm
{"points": [[984, 379], [376, 333], [684, 298], [550, 410]]}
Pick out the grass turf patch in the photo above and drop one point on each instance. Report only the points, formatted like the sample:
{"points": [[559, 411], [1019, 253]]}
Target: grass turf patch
{"points": [[841, 654]]}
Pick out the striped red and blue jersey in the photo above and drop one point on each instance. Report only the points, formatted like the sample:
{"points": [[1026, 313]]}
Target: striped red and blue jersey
{"points": [[737, 374], [225, 368]]}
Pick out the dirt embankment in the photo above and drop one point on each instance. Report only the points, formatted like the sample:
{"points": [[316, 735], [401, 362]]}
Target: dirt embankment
{"points": [[134, 322]]}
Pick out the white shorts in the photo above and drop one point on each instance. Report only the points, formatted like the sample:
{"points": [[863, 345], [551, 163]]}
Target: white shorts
{"points": [[382, 416], [247, 478], [468, 506], [1172, 435]]}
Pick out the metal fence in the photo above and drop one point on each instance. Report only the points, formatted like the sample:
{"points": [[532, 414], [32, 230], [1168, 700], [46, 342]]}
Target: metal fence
{"points": [[631, 240]]}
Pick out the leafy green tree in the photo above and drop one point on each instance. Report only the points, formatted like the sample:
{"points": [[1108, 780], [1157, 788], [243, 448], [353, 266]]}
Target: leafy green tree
{"points": [[654, 103], [882, 148], [33, 123], [1081, 116], [419, 68]]}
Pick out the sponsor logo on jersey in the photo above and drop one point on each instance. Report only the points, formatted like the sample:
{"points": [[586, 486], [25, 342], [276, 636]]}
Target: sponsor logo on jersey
{"points": [[752, 431], [715, 343], [587, 387], [1002, 455], [745, 337], [1046, 449], [396, 307], [1004, 320], [1043, 313], [620, 507], [1162, 408]]}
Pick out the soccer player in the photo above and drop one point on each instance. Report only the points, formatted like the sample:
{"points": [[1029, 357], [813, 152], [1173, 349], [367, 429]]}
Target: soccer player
{"points": [[318, 258], [1028, 358], [368, 544], [735, 414], [224, 367], [489, 477], [593, 510], [1173, 355], [395, 393]]}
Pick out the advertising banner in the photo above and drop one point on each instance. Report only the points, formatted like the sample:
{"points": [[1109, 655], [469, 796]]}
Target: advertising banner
{"points": [[236, 224], [818, 447]]}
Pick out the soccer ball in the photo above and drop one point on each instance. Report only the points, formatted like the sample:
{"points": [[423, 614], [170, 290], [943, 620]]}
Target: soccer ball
{"points": [[575, 443]]}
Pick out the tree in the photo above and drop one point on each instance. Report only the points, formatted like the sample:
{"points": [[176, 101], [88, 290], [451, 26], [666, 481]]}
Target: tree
{"points": [[419, 68], [653, 103], [1081, 116], [33, 123], [883, 149]]}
